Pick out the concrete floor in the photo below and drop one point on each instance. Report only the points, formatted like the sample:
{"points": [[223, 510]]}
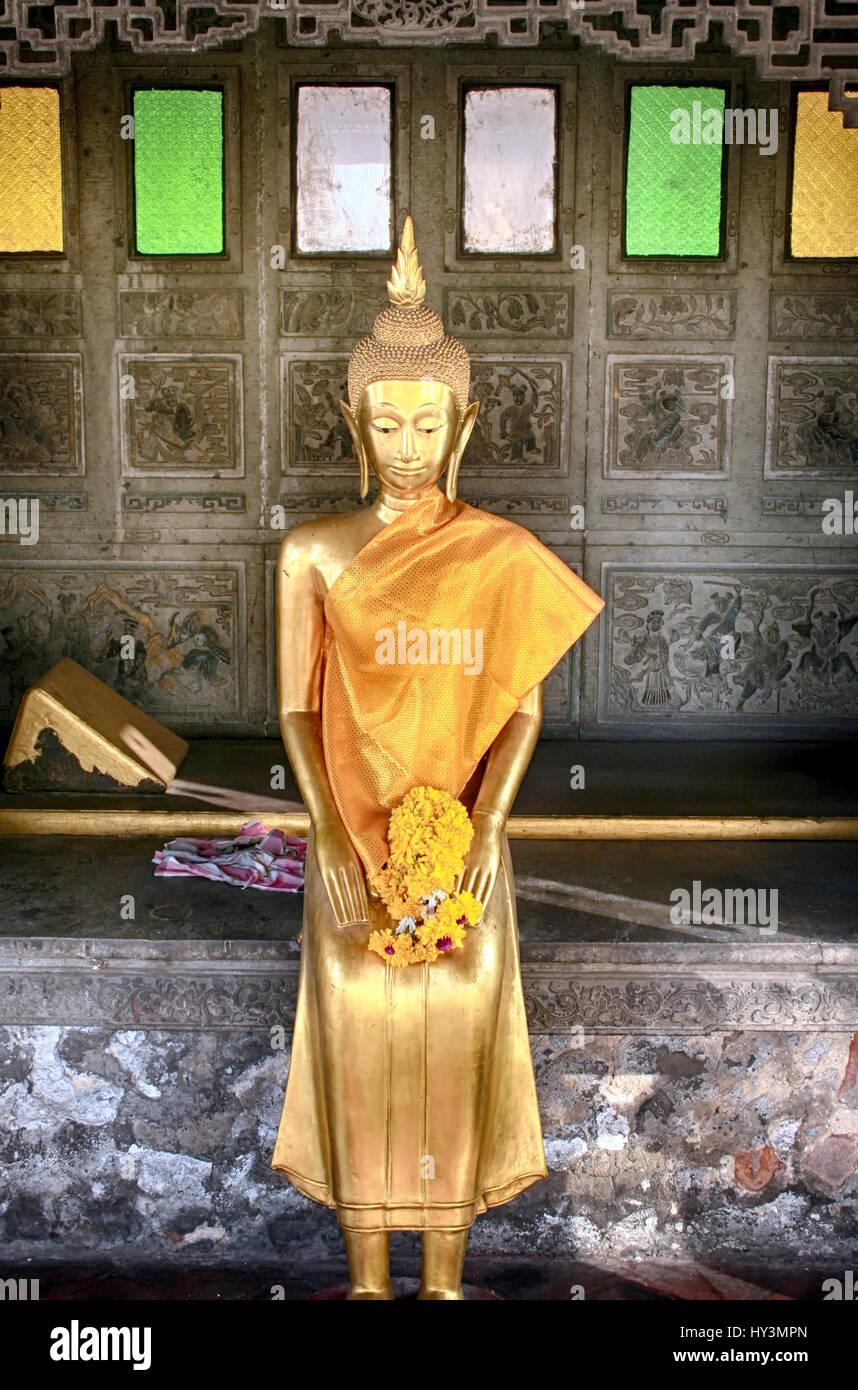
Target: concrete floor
{"points": [[612, 891], [514, 1278]]}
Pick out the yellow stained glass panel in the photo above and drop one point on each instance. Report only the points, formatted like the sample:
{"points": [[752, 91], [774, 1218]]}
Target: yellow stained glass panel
{"points": [[31, 179], [825, 181]]}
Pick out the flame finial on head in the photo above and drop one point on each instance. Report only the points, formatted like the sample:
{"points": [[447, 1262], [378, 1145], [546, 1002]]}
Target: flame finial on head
{"points": [[406, 287], [408, 342]]}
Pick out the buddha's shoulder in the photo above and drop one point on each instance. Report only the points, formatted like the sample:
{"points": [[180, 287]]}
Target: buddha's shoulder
{"points": [[502, 529], [310, 541]]}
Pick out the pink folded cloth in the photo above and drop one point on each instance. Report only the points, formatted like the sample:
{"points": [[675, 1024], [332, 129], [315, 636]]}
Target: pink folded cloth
{"points": [[257, 858]]}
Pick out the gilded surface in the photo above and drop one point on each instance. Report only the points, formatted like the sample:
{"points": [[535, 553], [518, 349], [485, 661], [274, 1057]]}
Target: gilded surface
{"points": [[411, 1102]]}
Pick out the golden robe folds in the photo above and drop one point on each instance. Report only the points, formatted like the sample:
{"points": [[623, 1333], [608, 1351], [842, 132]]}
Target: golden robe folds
{"points": [[411, 1101]]}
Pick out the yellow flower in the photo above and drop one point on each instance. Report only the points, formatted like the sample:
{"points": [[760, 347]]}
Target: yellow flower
{"points": [[429, 835]]}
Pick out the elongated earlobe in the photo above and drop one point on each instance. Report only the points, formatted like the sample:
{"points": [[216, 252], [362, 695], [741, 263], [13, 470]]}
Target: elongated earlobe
{"points": [[464, 434], [363, 461]]}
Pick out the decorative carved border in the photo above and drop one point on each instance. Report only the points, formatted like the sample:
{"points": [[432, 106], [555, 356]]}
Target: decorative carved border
{"points": [[648, 504], [671, 314], [319, 309], [180, 313], [805, 315], [41, 315], [603, 990], [508, 311], [821, 38]]}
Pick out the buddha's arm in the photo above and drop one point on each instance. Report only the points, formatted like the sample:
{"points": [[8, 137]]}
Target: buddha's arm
{"points": [[506, 765], [300, 649]]}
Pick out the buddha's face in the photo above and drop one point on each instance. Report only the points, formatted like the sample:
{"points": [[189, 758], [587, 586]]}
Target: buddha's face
{"points": [[409, 430]]}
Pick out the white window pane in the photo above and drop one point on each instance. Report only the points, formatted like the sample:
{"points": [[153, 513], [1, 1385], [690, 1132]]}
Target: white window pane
{"points": [[343, 201], [509, 170]]}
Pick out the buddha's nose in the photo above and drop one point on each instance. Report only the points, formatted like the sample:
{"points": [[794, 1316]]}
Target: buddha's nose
{"points": [[407, 452]]}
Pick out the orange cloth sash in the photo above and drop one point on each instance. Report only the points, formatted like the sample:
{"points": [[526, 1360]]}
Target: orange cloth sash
{"points": [[433, 634]]}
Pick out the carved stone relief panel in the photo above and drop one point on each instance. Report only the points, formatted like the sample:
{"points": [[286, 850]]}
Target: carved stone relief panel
{"points": [[558, 693], [524, 416], [667, 417], [508, 311], [812, 417], [40, 314], [41, 429], [187, 622], [181, 414], [671, 314], [315, 437], [181, 314], [729, 642], [329, 312], [826, 314]]}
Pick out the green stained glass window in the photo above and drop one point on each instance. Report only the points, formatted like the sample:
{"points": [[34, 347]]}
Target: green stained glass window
{"points": [[178, 172], [674, 170]]}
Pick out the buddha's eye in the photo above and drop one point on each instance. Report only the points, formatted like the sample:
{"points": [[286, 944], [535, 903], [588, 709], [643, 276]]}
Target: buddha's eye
{"points": [[431, 429], [384, 426]]}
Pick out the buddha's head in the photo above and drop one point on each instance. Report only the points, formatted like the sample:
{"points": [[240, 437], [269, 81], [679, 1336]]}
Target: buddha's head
{"points": [[408, 409]]}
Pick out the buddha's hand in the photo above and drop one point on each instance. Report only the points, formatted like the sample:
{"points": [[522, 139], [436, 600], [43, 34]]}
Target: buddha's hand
{"points": [[341, 872], [483, 858]]}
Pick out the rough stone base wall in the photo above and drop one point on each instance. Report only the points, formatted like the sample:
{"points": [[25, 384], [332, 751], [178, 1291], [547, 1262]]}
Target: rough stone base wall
{"points": [[156, 1143]]}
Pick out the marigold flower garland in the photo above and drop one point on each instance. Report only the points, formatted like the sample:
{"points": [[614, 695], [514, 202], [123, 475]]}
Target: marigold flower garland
{"points": [[429, 835]]}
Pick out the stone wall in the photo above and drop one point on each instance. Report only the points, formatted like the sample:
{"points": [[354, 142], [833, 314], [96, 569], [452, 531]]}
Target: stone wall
{"points": [[696, 1103]]}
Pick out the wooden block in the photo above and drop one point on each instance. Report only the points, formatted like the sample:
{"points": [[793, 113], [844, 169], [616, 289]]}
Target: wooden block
{"points": [[73, 733]]}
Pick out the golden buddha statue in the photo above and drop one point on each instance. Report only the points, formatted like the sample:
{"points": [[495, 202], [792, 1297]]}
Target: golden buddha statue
{"points": [[411, 1101]]}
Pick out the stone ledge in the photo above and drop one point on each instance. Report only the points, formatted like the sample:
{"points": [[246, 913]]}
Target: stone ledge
{"points": [[589, 988]]}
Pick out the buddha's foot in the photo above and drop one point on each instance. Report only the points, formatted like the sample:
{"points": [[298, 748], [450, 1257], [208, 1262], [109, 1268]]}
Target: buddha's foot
{"points": [[385, 1293], [427, 1295]]}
